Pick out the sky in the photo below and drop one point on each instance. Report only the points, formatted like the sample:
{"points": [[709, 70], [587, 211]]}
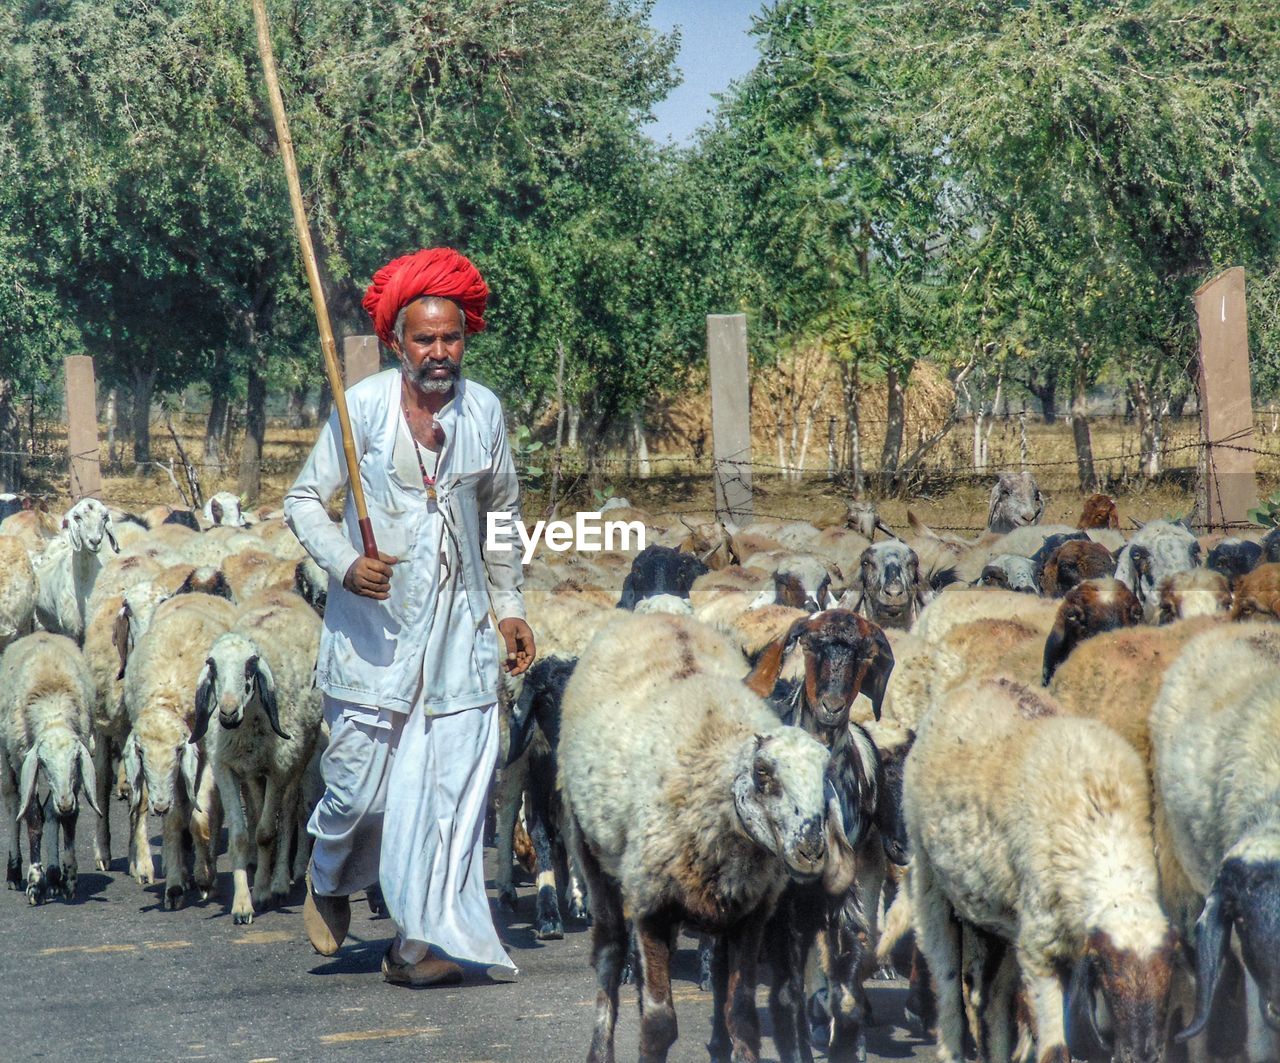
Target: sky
{"points": [[715, 48]]}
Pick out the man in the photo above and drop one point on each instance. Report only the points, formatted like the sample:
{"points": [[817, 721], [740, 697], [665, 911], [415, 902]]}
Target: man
{"points": [[408, 660]]}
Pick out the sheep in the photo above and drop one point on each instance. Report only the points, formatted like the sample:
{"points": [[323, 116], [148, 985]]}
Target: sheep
{"points": [[1093, 606], [863, 518], [1196, 592], [45, 697], [223, 510], [687, 802], [247, 571], [959, 606], [312, 584], [1099, 512], [709, 542], [567, 617], [1158, 550], [889, 589], [1016, 501], [659, 570], [184, 517], [1215, 734], [844, 655], [1234, 558], [118, 575], [33, 526], [67, 569], [1072, 563], [1011, 807], [257, 677], [1011, 573], [530, 774], [17, 591], [1257, 594], [664, 603], [1270, 544], [161, 766], [11, 504]]}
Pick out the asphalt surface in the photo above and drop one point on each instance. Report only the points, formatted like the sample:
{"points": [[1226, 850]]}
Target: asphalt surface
{"points": [[110, 975]]}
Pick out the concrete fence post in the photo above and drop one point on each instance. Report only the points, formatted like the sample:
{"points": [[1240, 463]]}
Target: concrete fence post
{"points": [[730, 416], [82, 427]]}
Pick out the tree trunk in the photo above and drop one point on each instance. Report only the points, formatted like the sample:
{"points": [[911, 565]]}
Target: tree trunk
{"points": [[852, 416], [10, 438], [216, 426], [294, 410], [1046, 394], [1080, 429], [249, 485], [1148, 442], [639, 445], [324, 402], [575, 417], [895, 414], [144, 386]]}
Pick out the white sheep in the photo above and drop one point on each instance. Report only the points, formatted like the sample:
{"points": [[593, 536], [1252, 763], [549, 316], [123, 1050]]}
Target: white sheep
{"points": [[687, 801], [1215, 735], [1030, 829], [223, 510], [17, 591], [963, 605], [1158, 549], [162, 767], [257, 678], [66, 571], [45, 698]]}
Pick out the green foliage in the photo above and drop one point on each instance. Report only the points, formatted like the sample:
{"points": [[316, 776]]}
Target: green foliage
{"points": [[1267, 514]]}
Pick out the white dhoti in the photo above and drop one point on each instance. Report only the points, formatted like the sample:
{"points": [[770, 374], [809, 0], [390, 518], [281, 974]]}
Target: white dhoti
{"points": [[404, 803]]}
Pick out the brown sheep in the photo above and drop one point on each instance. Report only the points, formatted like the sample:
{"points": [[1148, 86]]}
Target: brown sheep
{"points": [[1257, 594], [1073, 563], [1099, 512], [1092, 607], [1197, 592]]}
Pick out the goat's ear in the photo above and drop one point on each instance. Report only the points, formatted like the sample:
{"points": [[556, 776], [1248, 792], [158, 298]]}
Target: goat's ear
{"points": [[1056, 647], [880, 668], [215, 510], [204, 700], [73, 533], [189, 758], [111, 536], [266, 685], [628, 598], [120, 637], [1040, 504], [764, 676], [1140, 559], [132, 760], [994, 501], [1113, 517], [27, 783], [88, 778], [1084, 1039], [1213, 934]]}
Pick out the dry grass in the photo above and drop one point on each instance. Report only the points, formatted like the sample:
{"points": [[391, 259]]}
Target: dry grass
{"points": [[951, 494]]}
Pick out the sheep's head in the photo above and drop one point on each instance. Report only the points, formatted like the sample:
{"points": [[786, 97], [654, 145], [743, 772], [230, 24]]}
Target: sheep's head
{"points": [[158, 754], [1011, 573], [799, 582], [1245, 898], [67, 765], [1196, 592], [1159, 550], [781, 798], [134, 617], [1092, 607], [184, 517], [1234, 558], [1074, 562], [235, 676], [1099, 512], [224, 509], [863, 518], [87, 523], [1132, 973], [1257, 594], [844, 655], [207, 580], [1016, 501], [659, 570], [890, 586]]}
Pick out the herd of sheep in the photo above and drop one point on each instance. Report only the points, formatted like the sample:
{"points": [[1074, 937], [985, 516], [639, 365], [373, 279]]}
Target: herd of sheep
{"points": [[1038, 770]]}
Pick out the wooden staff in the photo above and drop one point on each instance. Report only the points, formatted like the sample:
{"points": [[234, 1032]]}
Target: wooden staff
{"points": [[327, 344]]}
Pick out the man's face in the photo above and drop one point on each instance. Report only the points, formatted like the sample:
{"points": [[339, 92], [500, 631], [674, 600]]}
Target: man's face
{"points": [[431, 353]]}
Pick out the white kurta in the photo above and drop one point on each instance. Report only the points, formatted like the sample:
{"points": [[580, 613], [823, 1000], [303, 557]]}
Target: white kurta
{"points": [[407, 770]]}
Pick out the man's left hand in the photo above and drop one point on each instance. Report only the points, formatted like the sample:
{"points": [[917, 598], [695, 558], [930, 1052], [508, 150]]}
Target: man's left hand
{"points": [[520, 649]]}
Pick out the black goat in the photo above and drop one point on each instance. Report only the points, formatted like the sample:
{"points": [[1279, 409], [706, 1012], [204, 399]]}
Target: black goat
{"points": [[659, 570], [184, 517], [1234, 558], [844, 655]]}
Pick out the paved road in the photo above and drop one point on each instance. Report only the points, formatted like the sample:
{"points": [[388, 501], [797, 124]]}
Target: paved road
{"points": [[112, 976]]}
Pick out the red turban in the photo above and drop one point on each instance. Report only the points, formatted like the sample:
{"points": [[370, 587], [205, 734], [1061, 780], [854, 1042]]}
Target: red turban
{"points": [[439, 271]]}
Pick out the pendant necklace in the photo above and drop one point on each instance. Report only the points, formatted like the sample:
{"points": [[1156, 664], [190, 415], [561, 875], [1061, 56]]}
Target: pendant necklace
{"points": [[428, 482]]}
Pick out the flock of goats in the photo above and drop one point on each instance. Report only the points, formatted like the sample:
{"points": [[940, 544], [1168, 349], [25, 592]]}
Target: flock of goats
{"points": [[1041, 768]]}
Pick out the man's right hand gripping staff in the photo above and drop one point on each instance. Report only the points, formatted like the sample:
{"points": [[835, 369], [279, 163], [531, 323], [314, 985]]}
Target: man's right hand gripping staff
{"points": [[370, 577]]}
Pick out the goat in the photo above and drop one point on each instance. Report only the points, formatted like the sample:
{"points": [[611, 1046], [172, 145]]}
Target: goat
{"points": [[1159, 549], [1196, 592], [1008, 806], [1074, 562], [1234, 558], [1011, 573], [1099, 512], [67, 569], [1087, 609], [890, 590], [18, 591], [1016, 501], [727, 805], [223, 510], [45, 699], [800, 581], [659, 570], [1257, 594]]}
